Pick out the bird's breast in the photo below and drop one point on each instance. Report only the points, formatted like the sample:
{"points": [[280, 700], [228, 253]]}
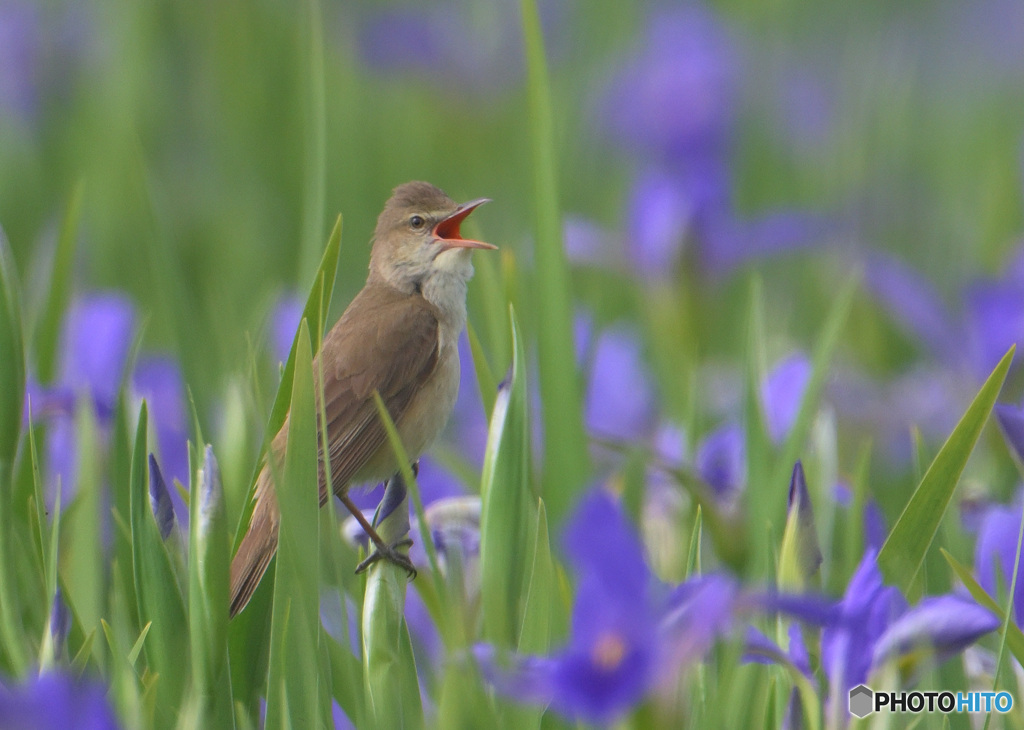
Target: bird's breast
{"points": [[425, 417]]}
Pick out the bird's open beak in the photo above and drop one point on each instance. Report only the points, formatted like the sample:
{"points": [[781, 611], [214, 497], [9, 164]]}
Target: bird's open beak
{"points": [[447, 231]]}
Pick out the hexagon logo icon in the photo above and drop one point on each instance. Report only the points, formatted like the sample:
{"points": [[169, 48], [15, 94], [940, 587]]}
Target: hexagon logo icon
{"points": [[861, 700]]}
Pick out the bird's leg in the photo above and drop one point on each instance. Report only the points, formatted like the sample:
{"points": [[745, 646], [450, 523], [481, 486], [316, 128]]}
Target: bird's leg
{"points": [[383, 550]]}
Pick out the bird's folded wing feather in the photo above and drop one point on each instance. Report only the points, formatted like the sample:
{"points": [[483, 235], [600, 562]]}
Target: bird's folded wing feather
{"points": [[391, 347]]}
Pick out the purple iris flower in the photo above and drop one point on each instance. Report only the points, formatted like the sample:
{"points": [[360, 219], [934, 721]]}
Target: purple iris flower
{"points": [[674, 99], [721, 460], [284, 323], [626, 634], [781, 393], [866, 610], [52, 701], [660, 219], [948, 623], [20, 56], [96, 338], [989, 320], [995, 551], [620, 396], [158, 380], [463, 49]]}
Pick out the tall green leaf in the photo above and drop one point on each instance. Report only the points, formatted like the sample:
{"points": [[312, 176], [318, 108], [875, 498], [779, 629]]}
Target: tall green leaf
{"points": [[157, 591], [293, 687], [208, 573], [12, 393], [567, 463], [507, 518], [59, 289], [904, 550]]}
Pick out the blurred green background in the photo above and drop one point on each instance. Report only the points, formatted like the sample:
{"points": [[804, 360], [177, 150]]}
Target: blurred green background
{"points": [[218, 141]]}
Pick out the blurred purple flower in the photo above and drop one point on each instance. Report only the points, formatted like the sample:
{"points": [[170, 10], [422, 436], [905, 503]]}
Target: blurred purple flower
{"points": [[866, 611], [948, 624], [781, 393], [284, 323], [95, 340], [674, 100], [721, 460], [872, 519], [759, 648], [990, 317], [20, 56], [995, 321], [588, 243], [627, 636], [727, 242], [660, 218], [610, 661], [1011, 420], [995, 551], [96, 337], [461, 48], [60, 623], [158, 380], [54, 702], [914, 303], [620, 396]]}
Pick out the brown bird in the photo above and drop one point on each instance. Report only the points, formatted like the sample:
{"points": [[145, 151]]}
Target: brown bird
{"points": [[399, 337]]}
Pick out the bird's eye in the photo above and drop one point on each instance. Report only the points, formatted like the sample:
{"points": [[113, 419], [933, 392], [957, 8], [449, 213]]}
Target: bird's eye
{"points": [[417, 221]]}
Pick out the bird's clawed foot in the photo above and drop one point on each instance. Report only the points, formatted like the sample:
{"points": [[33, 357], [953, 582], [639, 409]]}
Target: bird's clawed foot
{"points": [[391, 554]]}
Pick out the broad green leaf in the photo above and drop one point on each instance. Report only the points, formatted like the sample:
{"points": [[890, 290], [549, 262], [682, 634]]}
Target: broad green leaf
{"points": [[157, 590], [81, 544], [293, 687], [541, 592], [904, 550], [59, 289], [567, 466], [507, 517], [346, 680]]}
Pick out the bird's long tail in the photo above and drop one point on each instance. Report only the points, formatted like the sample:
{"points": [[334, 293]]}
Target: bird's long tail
{"points": [[258, 546]]}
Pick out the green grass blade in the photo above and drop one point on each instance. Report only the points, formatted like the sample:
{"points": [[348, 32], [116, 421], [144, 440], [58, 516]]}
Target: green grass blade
{"points": [[81, 564], [541, 592], [293, 689], [314, 114], [904, 550], [507, 511], [693, 554], [389, 668], [208, 574], [156, 588], [567, 466], [486, 383], [59, 289]]}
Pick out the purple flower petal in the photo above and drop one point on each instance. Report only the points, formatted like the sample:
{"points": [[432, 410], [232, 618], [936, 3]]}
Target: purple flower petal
{"points": [[720, 460], [1011, 420], [782, 393], [284, 323], [53, 701], [996, 549], [995, 316], [158, 380], [660, 218], [727, 242], [914, 303], [96, 338], [620, 397], [947, 623]]}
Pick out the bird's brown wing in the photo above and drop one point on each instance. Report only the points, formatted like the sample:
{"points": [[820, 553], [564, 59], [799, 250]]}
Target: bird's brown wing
{"points": [[392, 346], [385, 341]]}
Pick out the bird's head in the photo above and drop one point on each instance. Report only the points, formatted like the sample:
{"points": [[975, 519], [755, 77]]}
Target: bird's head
{"points": [[417, 237]]}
